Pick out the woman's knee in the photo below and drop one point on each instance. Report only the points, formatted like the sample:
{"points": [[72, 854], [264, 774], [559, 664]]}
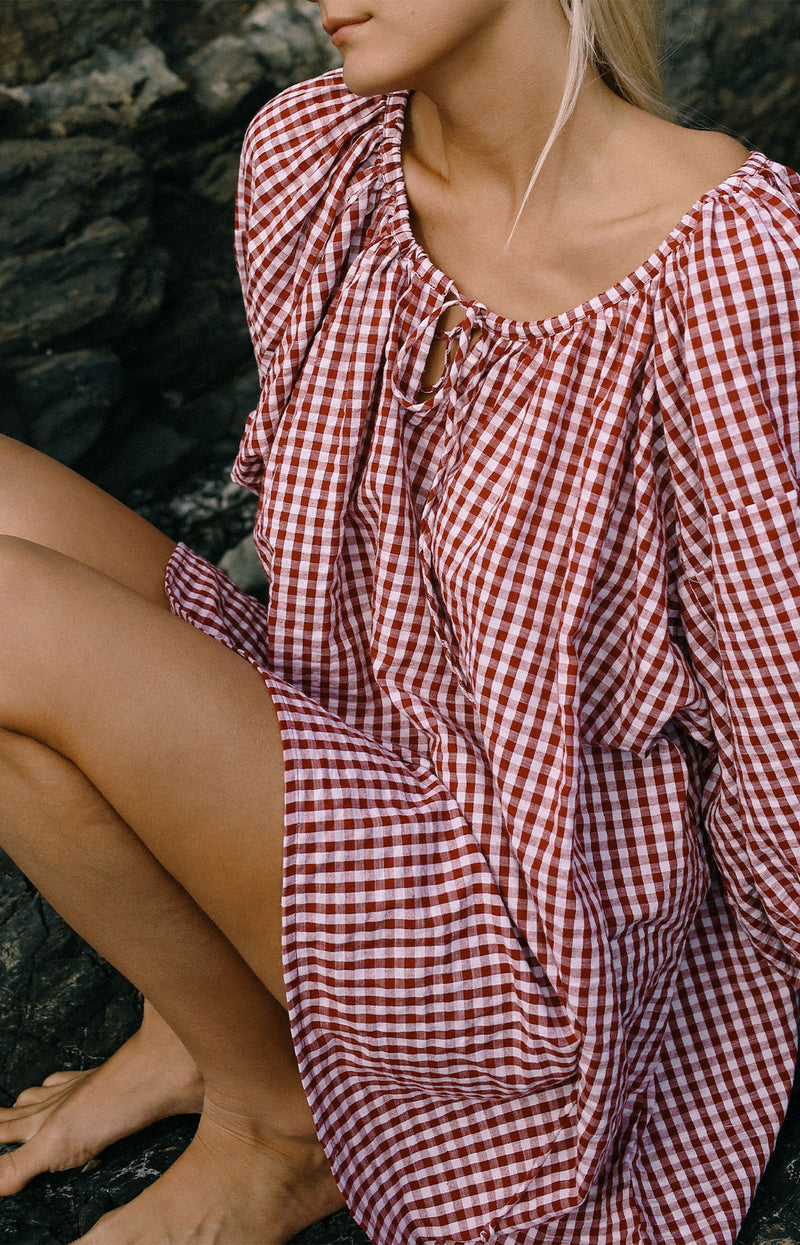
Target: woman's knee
{"points": [[48, 504], [18, 570], [12, 455], [19, 467], [38, 782], [27, 762], [22, 567], [38, 592]]}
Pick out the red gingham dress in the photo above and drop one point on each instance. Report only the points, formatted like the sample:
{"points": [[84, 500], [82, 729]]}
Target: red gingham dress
{"points": [[534, 642]]}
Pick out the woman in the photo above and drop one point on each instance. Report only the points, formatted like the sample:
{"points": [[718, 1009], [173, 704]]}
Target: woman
{"points": [[514, 737]]}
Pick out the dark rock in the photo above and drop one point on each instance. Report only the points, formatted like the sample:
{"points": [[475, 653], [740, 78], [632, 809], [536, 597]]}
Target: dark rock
{"points": [[202, 336], [60, 1004], [111, 89], [63, 1206], [17, 119], [775, 1214], [291, 50], [116, 226], [104, 279], [51, 189], [209, 512], [38, 37], [66, 398], [150, 453], [734, 65], [243, 565], [225, 78], [181, 27], [60, 1207], [219, 412], [214, 173]]}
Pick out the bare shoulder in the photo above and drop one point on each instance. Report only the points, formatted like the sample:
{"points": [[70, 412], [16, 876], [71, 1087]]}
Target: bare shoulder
{"points": [[648, 177], [658, 171], [678, 165], [705, 158]]}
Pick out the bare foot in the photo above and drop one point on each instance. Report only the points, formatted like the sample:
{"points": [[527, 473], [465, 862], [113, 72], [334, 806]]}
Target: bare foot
{"points": [[234, 1185], [75, 1115]]}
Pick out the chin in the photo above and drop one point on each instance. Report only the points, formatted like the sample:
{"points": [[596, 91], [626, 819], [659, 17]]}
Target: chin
{"points": [[370, 78]]}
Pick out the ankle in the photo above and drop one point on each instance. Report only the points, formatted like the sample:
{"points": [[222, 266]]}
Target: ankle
{"points": [[167, 1062], [263, 1113]]}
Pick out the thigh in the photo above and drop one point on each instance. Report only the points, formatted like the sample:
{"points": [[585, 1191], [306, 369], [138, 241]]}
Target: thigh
{"points": [[45, 502], [176, 731]]}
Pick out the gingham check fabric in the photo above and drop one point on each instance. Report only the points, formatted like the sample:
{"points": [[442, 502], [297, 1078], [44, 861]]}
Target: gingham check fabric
{"points": [[534, 642]]}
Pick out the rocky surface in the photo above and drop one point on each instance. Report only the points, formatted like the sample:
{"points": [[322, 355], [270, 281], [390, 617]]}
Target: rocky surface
{"points": [[735, 65], [123, 346], [124, 352]]}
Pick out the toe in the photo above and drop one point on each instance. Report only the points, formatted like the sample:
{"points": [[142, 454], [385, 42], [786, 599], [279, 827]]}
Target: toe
{"points": [[32, 1097], [12, 1174], [15, 1126], [47, 1151], [62, 1078], [33, 1094]]}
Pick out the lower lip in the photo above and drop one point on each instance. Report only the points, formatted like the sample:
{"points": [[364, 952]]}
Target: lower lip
{"points": [[344, 32]]}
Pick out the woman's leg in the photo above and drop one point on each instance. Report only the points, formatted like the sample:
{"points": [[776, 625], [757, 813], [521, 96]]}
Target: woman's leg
{"points": [[92, 849], [179, 736], [47, 503], [76, 1114]]}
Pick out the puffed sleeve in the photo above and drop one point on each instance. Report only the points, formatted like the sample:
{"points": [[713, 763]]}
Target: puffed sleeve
{"points": [[734, 437], [307, 182]]}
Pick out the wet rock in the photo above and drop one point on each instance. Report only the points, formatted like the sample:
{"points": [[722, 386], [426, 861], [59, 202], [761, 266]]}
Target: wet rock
{"points": [[209, 512], [60, 1004], [150, 453], [214, 172], [17, 119], [201, 336], [735, 65], [58, 1208], [290, 50], [219, 413], [774, 1218], [122, 125]]}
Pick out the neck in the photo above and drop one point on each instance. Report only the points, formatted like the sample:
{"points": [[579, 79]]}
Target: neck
{"points": [[490, 127]]}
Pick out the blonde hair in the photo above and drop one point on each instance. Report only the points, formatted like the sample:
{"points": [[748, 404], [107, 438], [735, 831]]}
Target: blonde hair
{"points": [[619, 38]]}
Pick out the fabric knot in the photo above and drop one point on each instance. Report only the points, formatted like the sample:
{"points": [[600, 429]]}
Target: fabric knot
{"points": [[460, 345]]}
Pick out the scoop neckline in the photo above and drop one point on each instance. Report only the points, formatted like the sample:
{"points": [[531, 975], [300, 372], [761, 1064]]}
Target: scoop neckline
{"points": [[433, 276]]}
